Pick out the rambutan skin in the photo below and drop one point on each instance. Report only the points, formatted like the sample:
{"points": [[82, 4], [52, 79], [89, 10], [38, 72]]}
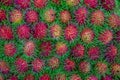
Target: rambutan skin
{"points": [[29, 48], [69, 65], [45, 77], [70, 32], [46, 48], [7, 2], [97, 17], [61, 48], [23, 31], [91, 3], [16, 16], [13, 78], [84, 67], [117, 36], [72, 2], [4, 68], [37, 65], [40, 30], [101, 67], [56, 31], [108, 4], [106, 36], [92, 78], [111, 52], [6, 32], [114, 20], [22, 3], [87, 35], [81, 15], [40, 3], [65, 16], [93, 53], [2, 15], [31, 16], [75, 77], [49, 15], [9, 49], [115, 69], [29, 77], [21, 65], [78, 50], [53, 62], [107, 77], [60, 77]]}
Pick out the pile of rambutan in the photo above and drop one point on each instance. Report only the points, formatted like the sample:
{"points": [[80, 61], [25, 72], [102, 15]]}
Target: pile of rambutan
{"points": [[59, 40]]}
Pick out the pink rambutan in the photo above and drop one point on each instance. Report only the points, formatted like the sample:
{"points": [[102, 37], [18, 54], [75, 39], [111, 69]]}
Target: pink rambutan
{"points": [[49, 15], [29, 48], [45, 77], [46, 48], [2, 15], [65, 16], [40, 30], [37, 65], [31, 16], [91, 3], [81, 15], [61, 48], [4, 68], [6, 32], [23, 32], [70, 32], [84, 67], [93, 53], [69, 65], [53, 62], [97, 17], [9, 49], [78, 50], [16, 16], [106, 36], [21, 65], [40, 3]]}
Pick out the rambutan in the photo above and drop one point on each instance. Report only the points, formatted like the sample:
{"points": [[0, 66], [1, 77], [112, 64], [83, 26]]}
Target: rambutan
{"points": [[78, 50], [91, 3], [29, 77], [72, 2], [37, 65], [87, 35], [56, 31], [60, 77], [61, 48], [40, 3], [46, 48], [93, 53], [40, 30], [4, 68], [101, 67], [22, 3], [70, 32], [45, 77], [97, 17], [81, 15], [49, 15], [106, 36], [2, 15], [16, 16], [6, 32], [53, 62], [21, 65], [65, 16], [31, 16], [9, 49], [29, 48], [23, 32], [84, 67], [69, 65], [75, 77]]}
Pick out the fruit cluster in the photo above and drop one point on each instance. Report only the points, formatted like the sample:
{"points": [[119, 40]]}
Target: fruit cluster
{"points": [[59, 40]]}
